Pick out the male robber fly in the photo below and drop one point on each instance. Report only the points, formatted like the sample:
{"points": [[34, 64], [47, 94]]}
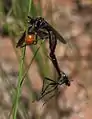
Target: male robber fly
{"points": [[40, 28], [52, 86]]}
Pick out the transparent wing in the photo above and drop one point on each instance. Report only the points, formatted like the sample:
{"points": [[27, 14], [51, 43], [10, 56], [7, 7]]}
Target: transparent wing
{"points": [[21, 40], [48, 88], [59, 37]]}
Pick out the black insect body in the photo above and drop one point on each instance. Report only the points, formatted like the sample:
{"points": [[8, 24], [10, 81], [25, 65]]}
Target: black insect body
{"points": [[42, 26], [42, 29]]}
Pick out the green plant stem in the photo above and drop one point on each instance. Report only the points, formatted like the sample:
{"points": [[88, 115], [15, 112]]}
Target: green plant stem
{"points": [[31, 63], [18, 90], [20, 79], [30, 3]]}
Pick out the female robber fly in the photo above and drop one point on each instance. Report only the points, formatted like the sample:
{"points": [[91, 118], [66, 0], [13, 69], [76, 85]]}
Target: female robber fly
{"points": [[40, 28], [52, 86]]}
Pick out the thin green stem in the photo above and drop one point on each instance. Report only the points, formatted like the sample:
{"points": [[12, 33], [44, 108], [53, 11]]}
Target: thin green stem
{"points": [[30, 3], [31, 63], [18, 90], [20, 79]]}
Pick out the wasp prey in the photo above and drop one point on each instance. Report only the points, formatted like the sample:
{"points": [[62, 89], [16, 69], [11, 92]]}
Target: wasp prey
{"points": [[52, 86]]}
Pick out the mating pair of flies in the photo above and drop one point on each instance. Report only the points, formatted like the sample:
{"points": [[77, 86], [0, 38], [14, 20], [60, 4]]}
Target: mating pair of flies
{"points": [[40, 28]]}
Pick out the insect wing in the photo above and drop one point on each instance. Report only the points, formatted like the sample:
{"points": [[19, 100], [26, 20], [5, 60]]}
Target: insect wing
{"points": [[47, 84], [21, 40], [60, 38], [48, 92], [42, 34]]}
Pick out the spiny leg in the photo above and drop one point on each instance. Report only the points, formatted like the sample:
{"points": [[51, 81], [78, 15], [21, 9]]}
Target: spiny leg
{"points": [[52, 46]]}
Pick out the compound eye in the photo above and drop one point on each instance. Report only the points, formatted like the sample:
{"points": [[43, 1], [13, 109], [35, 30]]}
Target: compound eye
{"points": [[68, 83]]}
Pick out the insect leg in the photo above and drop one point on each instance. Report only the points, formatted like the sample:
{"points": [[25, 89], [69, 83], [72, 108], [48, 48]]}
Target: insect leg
{"points": [[52, 83], [43, 91], [50, 98], [47, 92], [52, 46], [36, 39], [49, 79]]}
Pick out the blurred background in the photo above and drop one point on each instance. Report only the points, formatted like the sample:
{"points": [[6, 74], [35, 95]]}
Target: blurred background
{"points": [[73, 20]]}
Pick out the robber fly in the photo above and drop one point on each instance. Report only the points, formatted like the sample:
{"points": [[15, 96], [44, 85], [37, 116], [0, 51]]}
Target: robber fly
{"points": [[39, 28], [52, 86]]}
